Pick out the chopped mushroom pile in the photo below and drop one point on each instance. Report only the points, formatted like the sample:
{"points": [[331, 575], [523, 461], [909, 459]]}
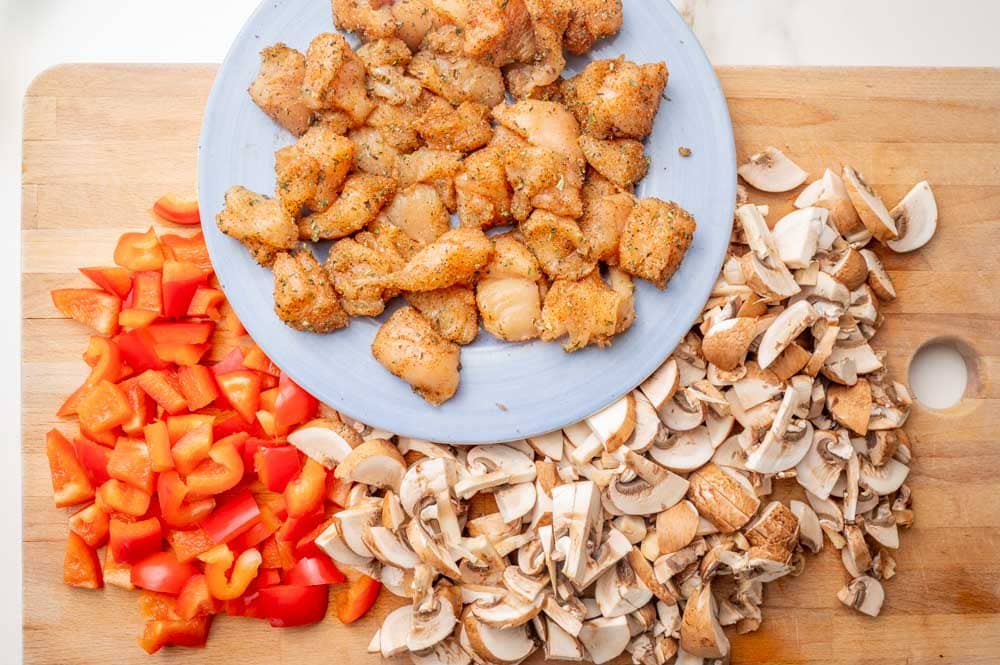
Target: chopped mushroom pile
{"points": [[647, 527], [395, 136]]}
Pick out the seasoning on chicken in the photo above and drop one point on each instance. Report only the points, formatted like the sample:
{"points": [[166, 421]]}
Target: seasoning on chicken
{"points": [[453, 258], [398, 124], [409, 347], [499, 32], [358, 272], [372, 19], [616, 98], [335, 78], [385, 61], [277, 90], [303, 295], [589, 21], [549, 19], [483, 195], [559, 245], [463, 129], [508, 294], [654, 240], [603, 221], [373, 152], [588, 310], [418, 211], [622, 161], [414, 19], [442, 68], [437, 168], [384, 236], [451, 310], [361, 199], [260, 222], [311, 172]]}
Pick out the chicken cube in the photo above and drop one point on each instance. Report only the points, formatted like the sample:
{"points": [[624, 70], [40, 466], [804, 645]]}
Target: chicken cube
{"points": [[373, 152], [398, 124], [277, 90], [549, 19], [444, 70], [414, 19], [384, 236], [589, 21], [654, 240], [622, 161], [260, 222], [616, 98], [303, 294], [451, 310], [559, 244], [508, 293], [371, 19], [359, 273], [419, 212], [588, 310], [361, 199], [385, 61], [461, 129], [499, 32], [408, 346], [437, 168], [335, 78], [453, 258], [311, 172], [602, 225], [483, 196]]}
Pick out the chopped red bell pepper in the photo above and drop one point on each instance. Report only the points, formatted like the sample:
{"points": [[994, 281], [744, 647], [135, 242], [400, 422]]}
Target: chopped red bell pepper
{"points": [[306, 545], [269, 553], [142, 405], [115, 573], [232, 517], [81, 567], [162, 572], [192, 448], [180, 425], [255, 359], [137, 350], [176, 510], [107, 439], [116, 496], [130, 462], [189, 544], [131, 318], [268, 398], [242, 390], [139, 251], [295, 527], [160, 633], [177, 209], [180, 281], [91, 524], [258, 533], [187, 332], [230, 422], [69, 407], [158, 438], [147, 292], [195, 600], [285, 606], [94, 458], [190, 249], [105, 360], [154, 605], [70, 484], [181, 354], [102, 407], [206, 303], [92, 307], [114, 280], [232, 362], [293, 406], [197, 385], [352, 603], [222, 471], [218, 562], [163, 387], [277, 466], [305, 494], [133, 541], [310, 571]]}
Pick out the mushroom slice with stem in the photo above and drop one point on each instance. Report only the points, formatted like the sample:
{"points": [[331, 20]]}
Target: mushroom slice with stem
{"points": [[685, 451], [605, 638], [445, 652], [548, 445], [864, 594], [515, 501], [614, 424], [771, 171], [325, 440], [870, 207], [796, 235], [661, 385], [915, 217], [619, 591], [559, 644], [682, 413], [430, 551], [676, 527], [878, 278], [496, 646], [375, 462], [723, 496], [783, 330], [647, 425], [394, 630], [332, 542], [576, 509], [431, 624], [614, 547], [823, 464], [509, 611], [526, 587], [881, 526], [652, 490], [498, 457], [856, 556], [354, 521], [429, 481], [726, 342], [701, 634], [787, 440], [885, 479], [762, 267], [389, 548]]}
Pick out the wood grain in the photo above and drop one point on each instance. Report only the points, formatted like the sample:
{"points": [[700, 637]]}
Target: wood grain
{"points": [[102, 142]]}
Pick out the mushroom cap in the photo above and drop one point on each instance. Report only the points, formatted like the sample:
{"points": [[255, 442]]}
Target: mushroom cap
{"points": [[916, 218], [783, 330], [701, 634], [614, 424], [496, 646], [878, 278], [796, 235], [771, 171], [685, 451], [394, 630], [375, 462], [851, 406], [605, 638], [723, 497], [847, 266], [325, 440], [353, 522], [548, 445], [661, 385], [726, 342], [872, 211], [676, 527]]}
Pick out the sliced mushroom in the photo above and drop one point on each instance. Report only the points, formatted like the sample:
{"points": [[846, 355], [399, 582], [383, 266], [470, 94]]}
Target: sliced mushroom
{"points": [[647, 425], [810, 533], [870, 207], [661, 385], [633, 526], [614, 424], [664, 591], [652, 490], [501, 458], [559, 644], [445, 652], [576, 509], [605, 638], [496, 646], [332, 542], [851, 406], [809, 195], [375, 462], [354, 521], [915, 217], [685, 451], [863, 593], [325, 440], [548, 445], [881, 527], [796, 235], [856, 556], [619, 591], [389, 548], [430, 551], [775, 525], [515, 501], [787, 441], [790, 324], [676, 527], [432, 624], [509, 611], [394, 631], [885, 479], [723, 497], [878, 278], [847, 266], [771, 171], [823, 464], [701, 634], [762, 267], [726, 343]]}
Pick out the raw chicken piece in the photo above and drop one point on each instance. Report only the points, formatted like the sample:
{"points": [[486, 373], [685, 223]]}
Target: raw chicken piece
{"points": [[418, 211], [453, 258], [259, 222], [336, 121], [549, 19], [390, 52], [654, 240], [616, 98], [451, 310], [499, 32], [462, 129], [385, 61], [589, 21], [384, 236], [508, 293], [303, 295], [622, 161], [358, 272], [603, 221], [277, 90], [408, 346], [588, 310], [482, 190], [335, 78], [371, 19], [442, 68], [414, 19], [373, 152], [360, 201], [437, 168], [398, 124], [559, 245], [311, 172]]}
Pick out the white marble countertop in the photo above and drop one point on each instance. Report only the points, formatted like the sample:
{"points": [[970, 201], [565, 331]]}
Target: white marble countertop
{"points": [[43, 33]]}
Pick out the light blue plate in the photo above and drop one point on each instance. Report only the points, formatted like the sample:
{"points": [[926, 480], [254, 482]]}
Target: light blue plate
{"points": [[507, 391]]}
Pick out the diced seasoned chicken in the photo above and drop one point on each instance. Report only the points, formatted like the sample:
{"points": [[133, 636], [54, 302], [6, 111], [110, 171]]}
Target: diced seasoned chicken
{"points": [[589, 21], [385, 61], [549, 19], [616, 98], [603, 221], [336, 121], [383, 235], [362, 198], [549, 183], [259, 222], [437, 168], [499, 32], [442, 68], [455, 12], [453, 258], [508, 293], [463, 129], [621, 283], [596, 186], [414, 19], [482, 191], [558, 244], [588, 310], [358, 272], [373, 152], [311, 172], [335, 78], [277, 90], [654, 240], [622, 161], [408, 346], [387, 51], [398, 124], [303, 294], [371, 19], [452, 311], [418, 211]]}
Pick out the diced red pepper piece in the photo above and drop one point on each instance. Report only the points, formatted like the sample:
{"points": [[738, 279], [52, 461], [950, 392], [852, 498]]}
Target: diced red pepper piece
{"points": [[232, 517], [92, 307], [180, 281], [130, 462], [230, 422], [229, 575], [107, 439], [285, 606], [158, 439], [70, 484], [178, 426], [142, 405], [181, 354], [134, 541], [295, 527], [116, 496], [105, 360], [242, 390], [163, 387], [139, 251], [115, 573], [91, 524], [177, 511], [257, 360], [355, 601], [233, 362], [94, 458], [162, 572], [147, 292], [268, 399], [157, 606], [206, 303], [186, 332], [177, 209], [269, 553], [192, 448], [222, 471], [306, 545], [310, 571], [114, 280], [102, 407], [305, 494], [131, 318], [277, 466], [81, 567], [265, 527], [293, 406], [197, 384], [195, 600], [189, 544], [137, 350], [191, 249], [180, 633]]}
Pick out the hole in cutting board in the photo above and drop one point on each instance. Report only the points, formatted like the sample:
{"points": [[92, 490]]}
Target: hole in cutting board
{"points": [[940, 372]]}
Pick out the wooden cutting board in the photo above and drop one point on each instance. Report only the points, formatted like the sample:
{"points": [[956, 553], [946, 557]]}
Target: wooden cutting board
{"points": [[102, 142]]}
